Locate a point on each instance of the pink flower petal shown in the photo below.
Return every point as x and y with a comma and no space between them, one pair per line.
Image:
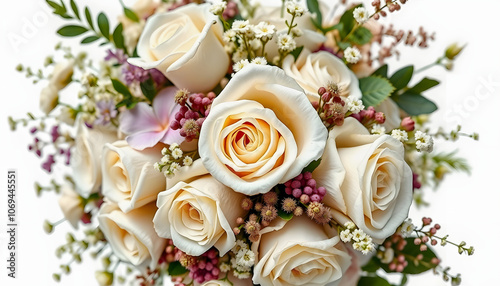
164,105
139,119
172,136
143,140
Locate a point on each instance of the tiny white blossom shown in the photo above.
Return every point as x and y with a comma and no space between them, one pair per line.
358,235
224,267
424,142
173,146
164,151
400,135
350,225
174,167
352,55
187,161
239,54
354,105
241,275
240,65
264,31
241,26
286,43
240,244
259,61
245,257
297,32
177,153
378,129
157,167
367,248
345,236
218,8
295,8
165,159
361,15
229,36
407,228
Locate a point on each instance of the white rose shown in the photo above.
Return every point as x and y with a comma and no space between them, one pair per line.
128,175
315,70
198,213
366,178
310,39
49,98
131,235
186,46
299,252
71,205
61,75
217,283
261,131
85,158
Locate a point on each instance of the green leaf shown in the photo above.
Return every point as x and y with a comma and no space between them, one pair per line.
175,268
414,104
361,36
72,31
89,18
402,77
297,52
74,7
373,281
404,280
338,26
121,88
130,14
148,89
118,37
371,266
343,45
348,22
375,89
313,7
58,9
103,23
381,71
424,85
90,39
312,166
284,215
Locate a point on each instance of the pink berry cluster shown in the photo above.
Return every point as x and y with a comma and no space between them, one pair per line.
369,117
392,6
303,187
201,268
194,109
331,106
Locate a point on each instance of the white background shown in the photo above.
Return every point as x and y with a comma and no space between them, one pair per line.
465,206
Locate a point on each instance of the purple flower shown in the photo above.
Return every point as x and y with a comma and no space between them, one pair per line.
133,73
119,56
106,110
147,125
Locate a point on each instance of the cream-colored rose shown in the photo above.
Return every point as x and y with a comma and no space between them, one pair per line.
310,38
49,98
367,179
86,156
392,113
315,70
186,46
131,235
261,131
299,252
71,205
129,178
198,213
61,75
217,283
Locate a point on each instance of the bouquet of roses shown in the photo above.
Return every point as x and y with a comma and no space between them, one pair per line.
234,143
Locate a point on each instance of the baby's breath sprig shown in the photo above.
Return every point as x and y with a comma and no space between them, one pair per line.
350,233
455,134
173,159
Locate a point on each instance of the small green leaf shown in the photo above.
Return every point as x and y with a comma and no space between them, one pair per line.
373,281
284,215
313,7
375,89
414,104
74,7
338,27
348,22
371,266
402,77
89,18
121,88
175,268
58,9
72,31
361,36
103,23
295,53
312,166
424,85
118,37
90,39
343,45
148,89
130,14
381,71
